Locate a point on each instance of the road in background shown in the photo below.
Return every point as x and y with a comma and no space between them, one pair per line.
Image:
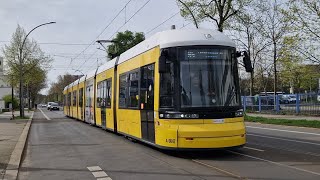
63,148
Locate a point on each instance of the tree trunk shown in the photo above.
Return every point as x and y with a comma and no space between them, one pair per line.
275,71
251,83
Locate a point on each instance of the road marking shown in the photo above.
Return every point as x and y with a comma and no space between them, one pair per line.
105,178
276,163
271,129
246,147
94,168
218,169
287,149
99,174
304,142
44,114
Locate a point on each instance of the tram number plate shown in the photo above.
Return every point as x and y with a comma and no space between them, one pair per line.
218,121
171,141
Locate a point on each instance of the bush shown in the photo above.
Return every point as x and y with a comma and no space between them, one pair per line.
8,99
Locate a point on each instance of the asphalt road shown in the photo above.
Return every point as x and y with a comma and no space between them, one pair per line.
63,148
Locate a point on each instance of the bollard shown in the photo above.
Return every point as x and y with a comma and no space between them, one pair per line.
297,104
244,104
277,104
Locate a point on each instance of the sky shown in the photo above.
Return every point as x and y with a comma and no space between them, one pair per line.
80,23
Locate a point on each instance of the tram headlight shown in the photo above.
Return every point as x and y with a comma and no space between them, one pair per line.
178,116
239,113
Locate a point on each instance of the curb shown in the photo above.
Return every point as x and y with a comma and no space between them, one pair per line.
12,169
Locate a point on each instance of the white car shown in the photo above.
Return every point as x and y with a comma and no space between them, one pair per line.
49,105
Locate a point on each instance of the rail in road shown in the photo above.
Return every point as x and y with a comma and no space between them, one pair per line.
63,148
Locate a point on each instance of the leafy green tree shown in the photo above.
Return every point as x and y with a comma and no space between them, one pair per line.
8,99
290,63
33,58
124,41
56,89
216,11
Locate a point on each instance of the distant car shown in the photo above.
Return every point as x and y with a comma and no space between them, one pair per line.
49,105
288,99
54,106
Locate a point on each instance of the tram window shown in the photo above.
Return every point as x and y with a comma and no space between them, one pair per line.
108,93
134,89
74,98
123,91
147,87
89,96
81,97
99,88
69,99
167,87
102,94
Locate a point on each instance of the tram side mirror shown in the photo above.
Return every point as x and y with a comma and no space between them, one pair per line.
247,62
162,62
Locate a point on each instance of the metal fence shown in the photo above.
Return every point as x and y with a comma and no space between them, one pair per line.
308,104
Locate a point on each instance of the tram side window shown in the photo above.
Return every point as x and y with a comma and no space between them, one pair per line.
134,89
74,100
88,96
103,93
108,92
123,91
99,88
80,97
69,99
147,87
167,87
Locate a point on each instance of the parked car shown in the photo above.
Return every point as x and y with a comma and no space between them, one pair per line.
54,106
288,99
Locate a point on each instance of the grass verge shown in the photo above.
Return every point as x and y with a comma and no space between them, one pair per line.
286,122
18,117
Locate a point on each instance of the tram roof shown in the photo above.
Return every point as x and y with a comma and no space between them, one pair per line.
175,38
82,78
91,74
108,65
165,39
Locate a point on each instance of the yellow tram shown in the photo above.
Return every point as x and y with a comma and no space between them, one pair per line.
178,89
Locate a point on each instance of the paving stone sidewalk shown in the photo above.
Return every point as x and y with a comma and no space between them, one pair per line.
10,131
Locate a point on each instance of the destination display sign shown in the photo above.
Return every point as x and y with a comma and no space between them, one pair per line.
209,54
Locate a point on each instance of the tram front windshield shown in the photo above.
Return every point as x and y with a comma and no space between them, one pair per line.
208,78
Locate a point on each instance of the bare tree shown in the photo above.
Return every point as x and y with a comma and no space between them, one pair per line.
246,30
273,28
305,18
217,11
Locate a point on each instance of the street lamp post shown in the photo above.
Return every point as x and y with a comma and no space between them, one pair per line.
21,99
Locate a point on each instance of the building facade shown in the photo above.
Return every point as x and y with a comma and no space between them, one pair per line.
5,87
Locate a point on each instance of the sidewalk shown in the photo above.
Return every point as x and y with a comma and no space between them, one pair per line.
290,117
10,135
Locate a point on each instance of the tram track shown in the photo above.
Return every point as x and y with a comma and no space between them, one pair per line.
230,174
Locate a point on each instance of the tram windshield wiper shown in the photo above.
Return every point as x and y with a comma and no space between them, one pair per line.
230,97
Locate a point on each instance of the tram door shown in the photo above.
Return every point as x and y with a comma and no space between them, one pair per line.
102,91
69,104
147,102
89,104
